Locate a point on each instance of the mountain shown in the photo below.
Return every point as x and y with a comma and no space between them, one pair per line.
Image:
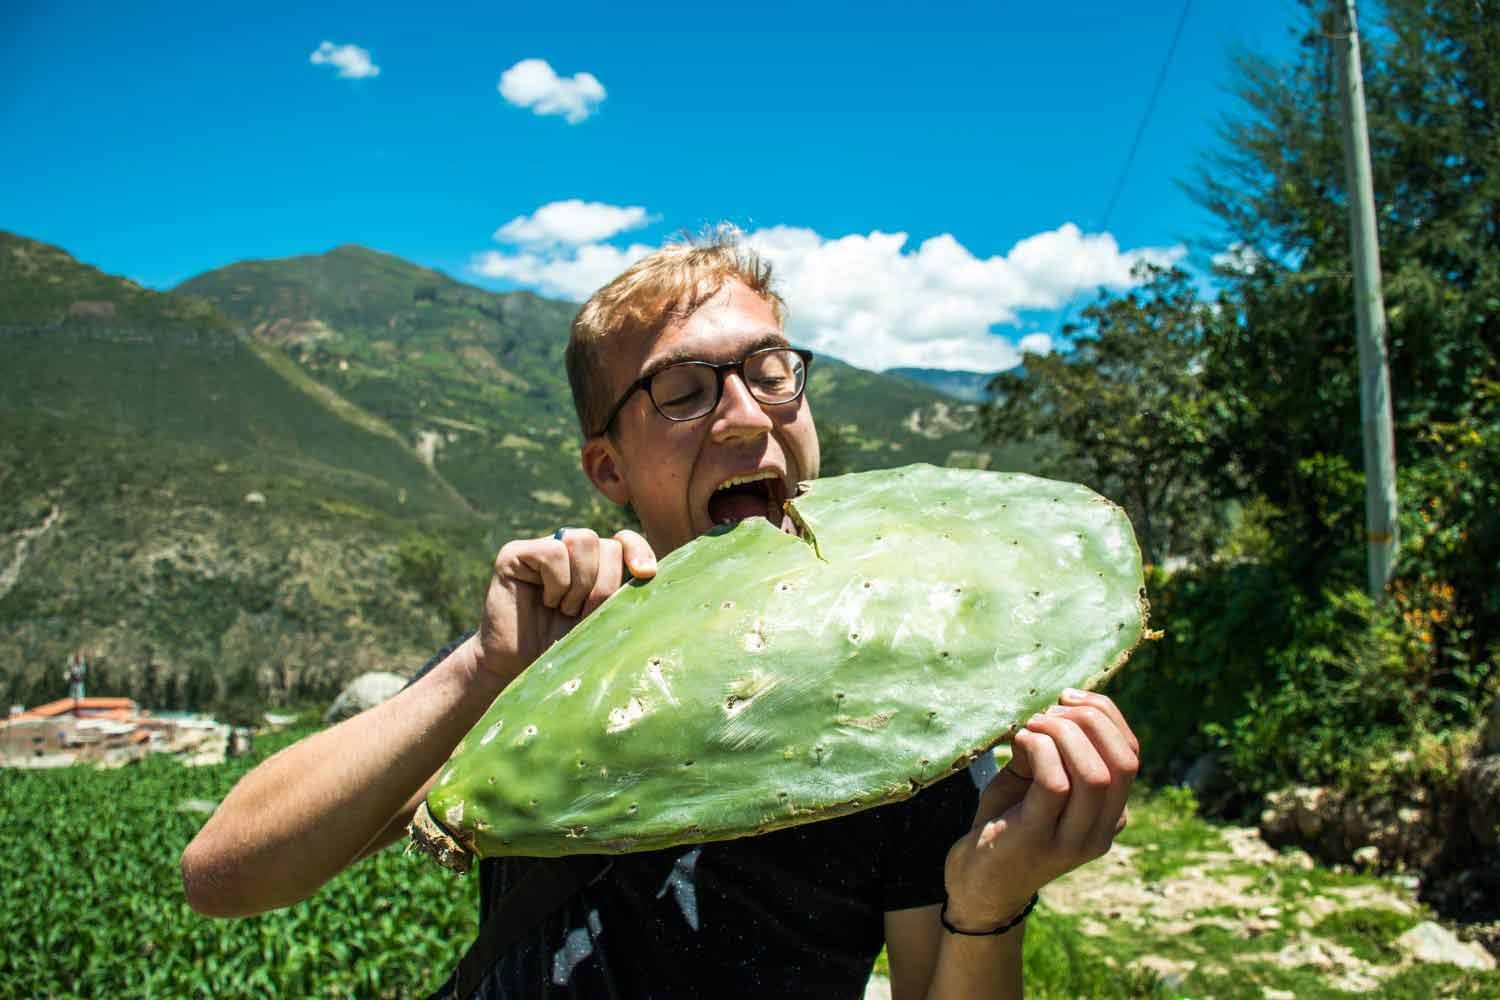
475,380
283,472
969,387
178,507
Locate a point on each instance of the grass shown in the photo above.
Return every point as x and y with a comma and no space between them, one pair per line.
1238,962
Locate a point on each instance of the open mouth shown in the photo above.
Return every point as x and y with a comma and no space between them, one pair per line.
758,494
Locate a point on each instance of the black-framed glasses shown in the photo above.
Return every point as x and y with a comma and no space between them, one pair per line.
691,389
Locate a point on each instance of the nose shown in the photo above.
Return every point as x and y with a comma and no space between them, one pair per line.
739,415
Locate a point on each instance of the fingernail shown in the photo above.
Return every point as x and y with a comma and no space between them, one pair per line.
1072,694
1056,710
1038,717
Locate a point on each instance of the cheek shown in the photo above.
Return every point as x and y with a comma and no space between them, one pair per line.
800,437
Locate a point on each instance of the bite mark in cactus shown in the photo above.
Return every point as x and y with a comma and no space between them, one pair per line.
764,679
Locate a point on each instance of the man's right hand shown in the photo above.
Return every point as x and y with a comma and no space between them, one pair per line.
541,587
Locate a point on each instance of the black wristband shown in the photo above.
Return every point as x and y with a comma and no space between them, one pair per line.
1008,925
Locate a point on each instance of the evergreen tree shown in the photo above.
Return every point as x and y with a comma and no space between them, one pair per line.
1126,410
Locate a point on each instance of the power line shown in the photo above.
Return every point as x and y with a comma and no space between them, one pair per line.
1135,143
1140,132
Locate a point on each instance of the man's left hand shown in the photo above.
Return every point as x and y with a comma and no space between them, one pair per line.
1057,804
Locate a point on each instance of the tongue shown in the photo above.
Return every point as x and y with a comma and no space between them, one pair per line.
732,506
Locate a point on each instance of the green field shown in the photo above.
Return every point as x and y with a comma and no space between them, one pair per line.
94,905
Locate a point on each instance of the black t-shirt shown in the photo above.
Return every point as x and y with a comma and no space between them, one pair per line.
793,913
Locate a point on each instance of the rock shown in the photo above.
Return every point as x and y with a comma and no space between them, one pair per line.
1480,787
1296,813
1430,942
276,721
1489,741
1200,777
1310,804
1272,993
1367,856
1299,859
255,497
1268,912
365,691
1170,971
1309,952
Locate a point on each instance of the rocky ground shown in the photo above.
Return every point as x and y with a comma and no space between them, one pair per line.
1212,911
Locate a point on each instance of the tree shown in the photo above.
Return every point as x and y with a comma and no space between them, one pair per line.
1281,354
1126,409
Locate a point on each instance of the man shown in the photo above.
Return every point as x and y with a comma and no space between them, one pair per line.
694,413
75,673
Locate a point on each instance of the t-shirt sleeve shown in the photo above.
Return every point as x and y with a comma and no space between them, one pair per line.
931,822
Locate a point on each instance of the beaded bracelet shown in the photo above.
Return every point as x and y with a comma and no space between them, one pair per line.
943,916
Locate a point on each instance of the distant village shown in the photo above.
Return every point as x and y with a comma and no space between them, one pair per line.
111,732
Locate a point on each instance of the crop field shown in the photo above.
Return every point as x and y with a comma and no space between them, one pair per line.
93,905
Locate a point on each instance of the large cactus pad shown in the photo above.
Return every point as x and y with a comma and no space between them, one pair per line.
763,680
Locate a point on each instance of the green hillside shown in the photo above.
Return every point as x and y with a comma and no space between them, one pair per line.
172,503
287,472
477,377
43,287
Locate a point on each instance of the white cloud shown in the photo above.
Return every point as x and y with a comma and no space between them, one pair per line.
531,83
572,222
352,61
1035,343
1239,258
571,274
869,299
873,301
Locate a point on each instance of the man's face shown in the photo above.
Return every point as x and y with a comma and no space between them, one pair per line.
671,472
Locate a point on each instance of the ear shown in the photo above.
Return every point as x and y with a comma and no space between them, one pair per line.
601,463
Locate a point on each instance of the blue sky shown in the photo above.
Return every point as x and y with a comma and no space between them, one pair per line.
162,141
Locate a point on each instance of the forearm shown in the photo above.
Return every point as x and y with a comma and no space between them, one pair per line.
978,968
306,813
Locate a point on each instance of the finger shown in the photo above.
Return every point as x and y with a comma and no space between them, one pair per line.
583,557
1105,704
1123,765
1088,777
639,558
1048,793
611,572
542,561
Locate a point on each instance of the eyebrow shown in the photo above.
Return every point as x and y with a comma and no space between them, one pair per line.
685,353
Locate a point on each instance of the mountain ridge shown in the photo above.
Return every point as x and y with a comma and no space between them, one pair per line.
285,471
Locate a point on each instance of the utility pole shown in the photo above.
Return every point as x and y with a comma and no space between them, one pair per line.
1381,529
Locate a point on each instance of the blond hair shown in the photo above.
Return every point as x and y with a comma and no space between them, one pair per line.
665,286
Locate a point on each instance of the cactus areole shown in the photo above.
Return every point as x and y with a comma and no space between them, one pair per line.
763,679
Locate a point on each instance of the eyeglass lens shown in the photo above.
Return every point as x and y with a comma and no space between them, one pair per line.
686,391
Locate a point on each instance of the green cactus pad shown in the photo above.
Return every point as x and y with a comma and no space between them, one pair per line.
763,680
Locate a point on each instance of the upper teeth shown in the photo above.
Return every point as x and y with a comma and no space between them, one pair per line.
753,477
